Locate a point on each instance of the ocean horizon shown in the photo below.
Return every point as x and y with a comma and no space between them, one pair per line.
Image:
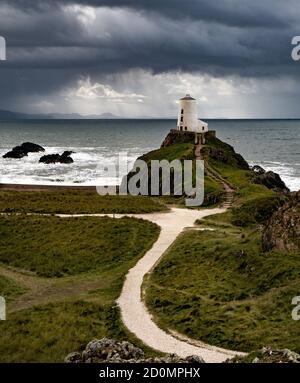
271,143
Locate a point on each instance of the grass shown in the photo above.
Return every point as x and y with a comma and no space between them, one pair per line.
170,153
79,252
253,204
9,289
221,288
54,247
75,202
184,151
50,332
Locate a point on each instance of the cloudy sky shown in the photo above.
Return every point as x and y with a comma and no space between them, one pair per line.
136,58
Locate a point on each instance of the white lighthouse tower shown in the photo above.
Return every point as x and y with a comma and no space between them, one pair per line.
188,116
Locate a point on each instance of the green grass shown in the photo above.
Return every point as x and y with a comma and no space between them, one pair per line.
221,288
9,289
77,250
170,153
75,202
50,332
53,247
253,204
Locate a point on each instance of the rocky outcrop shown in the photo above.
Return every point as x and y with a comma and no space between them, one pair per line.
112,351
258,169
268,355
282,231
23,150
181,137
58,158
269,179
219,151
177,137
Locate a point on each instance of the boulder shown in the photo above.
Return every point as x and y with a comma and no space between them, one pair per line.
112,351
258,169
30,147
23,150
268,355
57,158
16,153
271,180
282,231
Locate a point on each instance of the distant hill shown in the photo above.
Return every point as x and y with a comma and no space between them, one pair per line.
9,115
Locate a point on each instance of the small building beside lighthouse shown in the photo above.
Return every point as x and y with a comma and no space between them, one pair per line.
188,116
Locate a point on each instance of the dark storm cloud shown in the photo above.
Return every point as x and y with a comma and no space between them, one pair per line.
52,42
267,13
203,37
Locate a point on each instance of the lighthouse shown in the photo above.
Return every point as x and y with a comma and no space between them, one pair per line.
188,116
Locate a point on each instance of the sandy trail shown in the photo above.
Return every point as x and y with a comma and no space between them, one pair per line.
134,313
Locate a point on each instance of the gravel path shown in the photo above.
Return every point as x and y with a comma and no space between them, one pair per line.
133,310
134,313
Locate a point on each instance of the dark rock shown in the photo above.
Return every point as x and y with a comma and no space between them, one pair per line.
258,169
29,147
16,153
178,137
282,231
23,150
57,158
271,180
112,351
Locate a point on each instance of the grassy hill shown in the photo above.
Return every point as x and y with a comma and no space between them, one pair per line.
218,285
64,277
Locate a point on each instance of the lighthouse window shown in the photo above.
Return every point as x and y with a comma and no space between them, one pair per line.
181,111
181,119
185,128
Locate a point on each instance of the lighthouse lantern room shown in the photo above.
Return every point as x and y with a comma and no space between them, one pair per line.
188,116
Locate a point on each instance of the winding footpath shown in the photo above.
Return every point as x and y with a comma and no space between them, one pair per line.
134,313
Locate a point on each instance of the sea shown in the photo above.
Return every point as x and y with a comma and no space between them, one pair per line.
99,144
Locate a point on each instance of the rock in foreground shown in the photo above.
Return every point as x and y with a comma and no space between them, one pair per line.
112,351
269,179
268,355
57,158
23,150
283,229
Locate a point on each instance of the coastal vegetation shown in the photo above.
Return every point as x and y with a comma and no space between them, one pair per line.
9,289
73,270
219,285
54,247
48,333
76,202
